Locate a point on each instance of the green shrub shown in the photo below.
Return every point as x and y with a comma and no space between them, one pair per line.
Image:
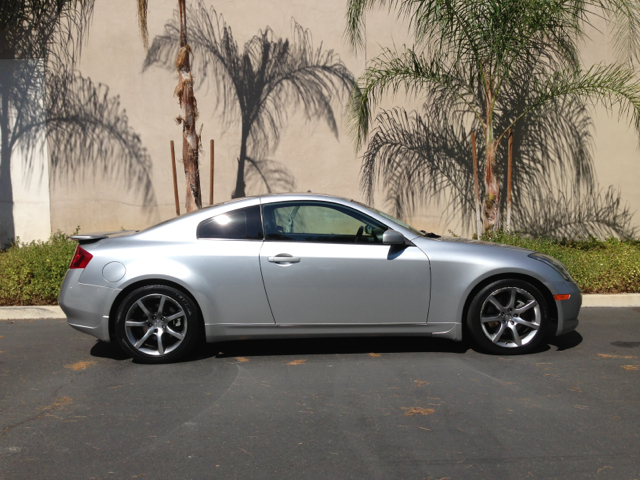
609,266
32,273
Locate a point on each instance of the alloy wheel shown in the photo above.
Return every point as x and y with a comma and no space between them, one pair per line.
510,317
155,324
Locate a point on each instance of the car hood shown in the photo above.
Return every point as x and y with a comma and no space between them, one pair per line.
479,242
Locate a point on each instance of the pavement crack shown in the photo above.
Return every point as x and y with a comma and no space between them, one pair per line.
58,402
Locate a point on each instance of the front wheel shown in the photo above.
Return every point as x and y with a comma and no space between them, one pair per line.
508,317
157,324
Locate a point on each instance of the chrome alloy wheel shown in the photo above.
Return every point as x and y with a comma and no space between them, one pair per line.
510,317
155,324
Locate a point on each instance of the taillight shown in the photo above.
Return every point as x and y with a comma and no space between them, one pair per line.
81,258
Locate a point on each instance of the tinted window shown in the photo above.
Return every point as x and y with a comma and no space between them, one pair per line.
244,224
319,222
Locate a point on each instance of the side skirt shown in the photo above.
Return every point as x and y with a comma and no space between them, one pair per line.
234,331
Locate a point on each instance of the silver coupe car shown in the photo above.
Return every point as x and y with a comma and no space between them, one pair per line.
307,265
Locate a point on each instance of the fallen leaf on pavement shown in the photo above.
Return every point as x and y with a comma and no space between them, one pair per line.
375,355
297,362
80,365
631,367
604,355
410,412
242,359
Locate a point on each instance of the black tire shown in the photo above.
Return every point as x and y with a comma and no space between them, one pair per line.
157,332
513,322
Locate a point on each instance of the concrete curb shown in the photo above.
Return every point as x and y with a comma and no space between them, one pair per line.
611,300
55,313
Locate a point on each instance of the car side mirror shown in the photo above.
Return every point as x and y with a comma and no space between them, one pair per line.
391,237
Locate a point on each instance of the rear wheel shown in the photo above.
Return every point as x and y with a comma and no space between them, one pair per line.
157,324
508,317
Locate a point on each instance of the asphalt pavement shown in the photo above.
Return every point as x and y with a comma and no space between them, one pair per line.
377,408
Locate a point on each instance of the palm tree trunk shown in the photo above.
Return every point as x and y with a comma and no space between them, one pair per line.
191,140
240,185
492,187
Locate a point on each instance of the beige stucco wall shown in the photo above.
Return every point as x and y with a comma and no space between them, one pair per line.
320,162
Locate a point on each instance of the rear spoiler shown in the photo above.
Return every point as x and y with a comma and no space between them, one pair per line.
96,237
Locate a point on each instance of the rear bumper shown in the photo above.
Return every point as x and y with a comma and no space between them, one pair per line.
568,310
86,306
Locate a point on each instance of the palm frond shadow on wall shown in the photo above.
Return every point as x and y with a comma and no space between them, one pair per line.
89,134
258,86
423,159
86,129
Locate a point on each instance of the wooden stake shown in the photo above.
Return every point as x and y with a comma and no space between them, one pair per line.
211,176
175,179
476,188
509,180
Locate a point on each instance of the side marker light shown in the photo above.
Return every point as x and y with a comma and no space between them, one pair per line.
561,297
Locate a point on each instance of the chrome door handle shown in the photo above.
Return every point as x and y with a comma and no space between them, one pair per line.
284,258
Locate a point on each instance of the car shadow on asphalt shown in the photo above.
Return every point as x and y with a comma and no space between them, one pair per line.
563,342
298,346
329,346
332,346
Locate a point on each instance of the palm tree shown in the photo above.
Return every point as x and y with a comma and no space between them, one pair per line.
468,52
184,92
258,85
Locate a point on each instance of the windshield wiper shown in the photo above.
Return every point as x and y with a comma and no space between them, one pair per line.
429,234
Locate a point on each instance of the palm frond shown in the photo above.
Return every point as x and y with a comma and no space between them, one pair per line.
420,158
623,17
609,85
390,72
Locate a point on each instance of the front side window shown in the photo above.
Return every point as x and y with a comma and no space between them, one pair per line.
243,224
319,222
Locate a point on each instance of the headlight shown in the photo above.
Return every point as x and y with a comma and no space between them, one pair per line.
552,262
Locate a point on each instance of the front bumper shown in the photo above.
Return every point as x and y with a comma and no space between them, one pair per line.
86,306
568,310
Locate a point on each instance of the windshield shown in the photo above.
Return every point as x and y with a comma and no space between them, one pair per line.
392,219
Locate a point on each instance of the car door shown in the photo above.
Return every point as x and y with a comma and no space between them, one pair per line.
324,263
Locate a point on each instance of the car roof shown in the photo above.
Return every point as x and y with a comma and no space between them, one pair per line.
301,195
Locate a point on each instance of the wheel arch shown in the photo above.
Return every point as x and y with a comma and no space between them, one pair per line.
551,304
143,283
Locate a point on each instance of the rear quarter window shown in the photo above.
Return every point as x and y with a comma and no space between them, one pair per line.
243,224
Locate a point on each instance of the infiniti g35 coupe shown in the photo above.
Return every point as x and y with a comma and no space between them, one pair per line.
307,265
